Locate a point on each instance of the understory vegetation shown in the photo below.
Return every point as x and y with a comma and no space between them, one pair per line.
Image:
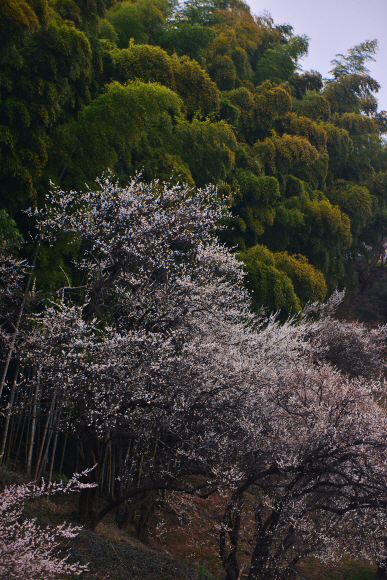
181,209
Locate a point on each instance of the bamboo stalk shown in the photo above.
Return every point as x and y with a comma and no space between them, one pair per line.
113,475
54,446
8,413
30,406
109,470
139,473
18,321
103,470
44,436
11,448
45,455
63,452
16,419
33,426
128,453
14,439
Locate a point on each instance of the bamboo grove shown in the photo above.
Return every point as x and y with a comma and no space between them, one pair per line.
211,94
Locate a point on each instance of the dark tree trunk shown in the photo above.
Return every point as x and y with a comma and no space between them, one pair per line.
232,522
382,570
124,515
260,568
382,565
146,513
126,511
89,458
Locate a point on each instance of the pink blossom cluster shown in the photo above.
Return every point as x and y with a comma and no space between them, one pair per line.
26,549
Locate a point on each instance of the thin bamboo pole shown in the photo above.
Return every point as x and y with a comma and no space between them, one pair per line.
8,413
103,470
48,443
109,470
54,445
10,449
44,436
33,425
112,493
30,407
15,440
18,321
63,452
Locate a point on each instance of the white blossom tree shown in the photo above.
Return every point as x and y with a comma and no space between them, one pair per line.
312,463
115,349
155,353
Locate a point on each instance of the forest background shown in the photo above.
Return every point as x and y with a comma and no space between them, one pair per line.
210,94
116,277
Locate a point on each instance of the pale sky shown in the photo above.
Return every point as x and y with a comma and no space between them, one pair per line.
334,26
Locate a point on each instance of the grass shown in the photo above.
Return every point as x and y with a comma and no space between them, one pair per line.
345,570
119,560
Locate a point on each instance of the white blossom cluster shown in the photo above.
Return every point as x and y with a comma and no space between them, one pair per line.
28,550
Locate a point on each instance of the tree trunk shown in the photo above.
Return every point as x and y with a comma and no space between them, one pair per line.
53,452
38,468
90,457
260,561
146,512
232,522
18,321
33,425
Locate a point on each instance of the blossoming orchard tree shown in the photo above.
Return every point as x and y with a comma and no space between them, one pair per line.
152,359
312,468
129,349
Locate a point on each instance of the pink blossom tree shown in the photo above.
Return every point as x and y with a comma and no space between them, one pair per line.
28,550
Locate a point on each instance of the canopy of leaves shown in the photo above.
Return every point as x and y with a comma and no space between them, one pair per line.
281,281
205,91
